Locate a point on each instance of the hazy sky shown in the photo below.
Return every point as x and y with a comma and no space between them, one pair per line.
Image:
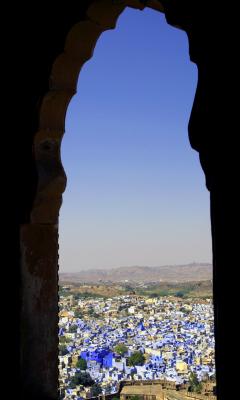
136,193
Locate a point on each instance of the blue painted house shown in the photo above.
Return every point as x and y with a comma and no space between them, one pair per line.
108,360
97,355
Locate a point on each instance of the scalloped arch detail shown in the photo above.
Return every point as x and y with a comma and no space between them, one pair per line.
79,46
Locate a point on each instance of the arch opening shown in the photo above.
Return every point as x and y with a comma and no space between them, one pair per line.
38,283
81,154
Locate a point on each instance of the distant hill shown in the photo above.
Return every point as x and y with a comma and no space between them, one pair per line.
166,273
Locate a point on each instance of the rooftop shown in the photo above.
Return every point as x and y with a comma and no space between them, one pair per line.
142,389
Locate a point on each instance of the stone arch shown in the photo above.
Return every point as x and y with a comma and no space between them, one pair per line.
39,30
39,238
37,285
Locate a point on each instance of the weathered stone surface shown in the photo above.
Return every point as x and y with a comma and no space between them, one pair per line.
105,12
39,311
53,109
155,5
51,178
46,208
139,5
62,80
82,39
45,135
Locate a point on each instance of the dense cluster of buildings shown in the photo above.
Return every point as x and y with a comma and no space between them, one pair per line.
175,336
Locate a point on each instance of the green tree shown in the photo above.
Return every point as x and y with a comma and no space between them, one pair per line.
81,364
137,358
92,313
120,349
96,390
180,294
64,340
185,310
194,384
152,295
135,397
81,378
73,328
63,292
78,314
62,350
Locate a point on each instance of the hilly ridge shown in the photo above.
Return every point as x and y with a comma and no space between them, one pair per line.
145,274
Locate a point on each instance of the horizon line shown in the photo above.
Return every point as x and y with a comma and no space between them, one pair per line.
80,269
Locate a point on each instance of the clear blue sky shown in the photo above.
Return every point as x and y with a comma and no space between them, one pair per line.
136,193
